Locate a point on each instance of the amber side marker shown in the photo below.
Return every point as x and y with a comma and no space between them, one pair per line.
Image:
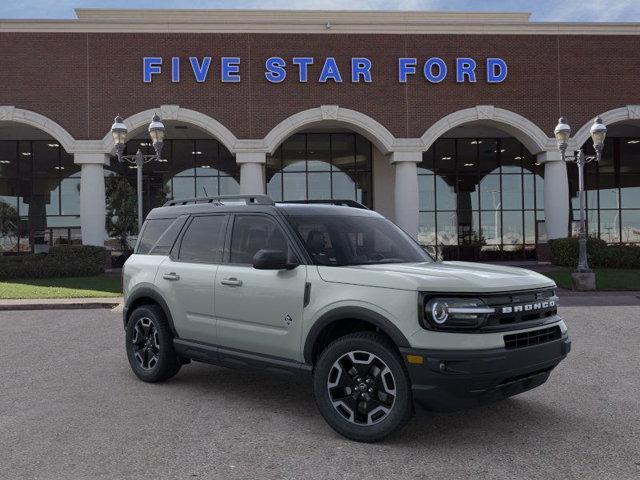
415,359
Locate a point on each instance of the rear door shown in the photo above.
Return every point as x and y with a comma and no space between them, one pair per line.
186,278
259,311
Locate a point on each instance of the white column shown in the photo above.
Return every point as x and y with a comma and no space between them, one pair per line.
251,172
406,190
92,197
556,194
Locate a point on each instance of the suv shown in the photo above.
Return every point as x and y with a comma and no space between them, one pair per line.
340,295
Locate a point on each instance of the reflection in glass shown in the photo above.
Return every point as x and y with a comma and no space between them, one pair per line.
321,166
486,199
612,191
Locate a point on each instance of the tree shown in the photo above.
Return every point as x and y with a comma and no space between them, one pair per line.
122,212
9,223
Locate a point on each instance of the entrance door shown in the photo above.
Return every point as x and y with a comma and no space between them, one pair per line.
259,310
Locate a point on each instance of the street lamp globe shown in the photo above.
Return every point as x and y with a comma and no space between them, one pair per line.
119,131
156,129
562,133
156,132
598,133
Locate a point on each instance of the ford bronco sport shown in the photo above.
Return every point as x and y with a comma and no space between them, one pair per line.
338,294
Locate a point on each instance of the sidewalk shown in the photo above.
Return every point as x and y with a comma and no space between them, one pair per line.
60,303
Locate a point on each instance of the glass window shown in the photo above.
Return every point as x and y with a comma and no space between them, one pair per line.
320,186
318,152
340,240
293,153
467,155
203,242
445,193
321,166
167,239
8,159
343,151
184,156
629,155
512,191
252,233
630,226
610,226
152,231
427,193
342,185
427,228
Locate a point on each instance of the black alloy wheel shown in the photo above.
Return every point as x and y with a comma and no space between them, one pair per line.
149,345
362,388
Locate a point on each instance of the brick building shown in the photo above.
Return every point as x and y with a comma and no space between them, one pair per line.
443,122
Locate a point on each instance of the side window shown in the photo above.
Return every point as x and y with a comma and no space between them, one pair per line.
168,238
203,242
153,229
252,233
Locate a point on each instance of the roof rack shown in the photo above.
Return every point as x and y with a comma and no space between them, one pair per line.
338,202
219,200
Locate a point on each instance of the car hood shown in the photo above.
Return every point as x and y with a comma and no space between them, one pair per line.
454,277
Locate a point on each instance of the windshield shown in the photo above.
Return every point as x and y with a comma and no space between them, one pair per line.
340,240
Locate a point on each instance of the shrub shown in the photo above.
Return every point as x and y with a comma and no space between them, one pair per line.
564,252
61,261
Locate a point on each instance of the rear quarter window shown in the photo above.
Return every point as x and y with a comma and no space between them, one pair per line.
159,235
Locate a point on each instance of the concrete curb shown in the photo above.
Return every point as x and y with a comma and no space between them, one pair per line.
60,304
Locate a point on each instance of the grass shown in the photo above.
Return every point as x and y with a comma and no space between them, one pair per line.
606,278
72,287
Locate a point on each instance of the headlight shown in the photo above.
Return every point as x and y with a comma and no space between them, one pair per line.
456,312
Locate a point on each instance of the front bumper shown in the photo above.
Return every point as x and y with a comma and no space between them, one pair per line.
455,379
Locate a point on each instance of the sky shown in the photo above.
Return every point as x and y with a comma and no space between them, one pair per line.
542,10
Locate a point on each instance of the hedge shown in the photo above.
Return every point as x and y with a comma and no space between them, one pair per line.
564,252
61,261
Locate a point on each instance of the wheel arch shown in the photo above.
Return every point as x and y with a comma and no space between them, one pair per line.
147,296
349,316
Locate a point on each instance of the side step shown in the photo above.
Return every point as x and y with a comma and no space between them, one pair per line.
238,359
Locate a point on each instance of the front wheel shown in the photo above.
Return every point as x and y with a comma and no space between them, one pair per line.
362,388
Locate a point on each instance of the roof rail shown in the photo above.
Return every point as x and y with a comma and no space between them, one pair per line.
335,201
219,200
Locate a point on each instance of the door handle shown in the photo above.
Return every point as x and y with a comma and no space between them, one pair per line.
232,282
173,276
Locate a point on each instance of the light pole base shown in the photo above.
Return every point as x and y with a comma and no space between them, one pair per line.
583,281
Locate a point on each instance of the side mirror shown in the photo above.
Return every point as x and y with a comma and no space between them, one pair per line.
272,260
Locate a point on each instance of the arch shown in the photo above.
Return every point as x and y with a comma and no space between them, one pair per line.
177,113
528,133
617,115
382,138
10,113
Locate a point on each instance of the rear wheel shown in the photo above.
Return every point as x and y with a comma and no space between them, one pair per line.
362,388
149,345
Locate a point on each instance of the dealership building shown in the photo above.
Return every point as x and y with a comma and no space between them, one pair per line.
442,122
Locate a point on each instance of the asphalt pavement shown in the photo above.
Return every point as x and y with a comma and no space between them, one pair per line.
70,408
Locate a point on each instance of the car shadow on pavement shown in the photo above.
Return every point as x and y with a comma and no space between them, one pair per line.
294,398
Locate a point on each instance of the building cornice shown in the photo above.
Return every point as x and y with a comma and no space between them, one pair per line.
312,22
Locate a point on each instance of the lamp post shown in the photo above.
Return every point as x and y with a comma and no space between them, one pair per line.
562,133
156,132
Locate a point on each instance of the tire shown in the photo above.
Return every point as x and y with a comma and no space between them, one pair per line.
368,414
149,345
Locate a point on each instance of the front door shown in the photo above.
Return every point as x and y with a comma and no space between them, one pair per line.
187,278
259,310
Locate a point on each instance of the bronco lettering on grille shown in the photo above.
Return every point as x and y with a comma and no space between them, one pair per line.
529,307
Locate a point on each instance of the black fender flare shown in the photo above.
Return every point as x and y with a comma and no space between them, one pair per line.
355,313
148,292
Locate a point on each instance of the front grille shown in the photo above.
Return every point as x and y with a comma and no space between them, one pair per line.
518,307
534,337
